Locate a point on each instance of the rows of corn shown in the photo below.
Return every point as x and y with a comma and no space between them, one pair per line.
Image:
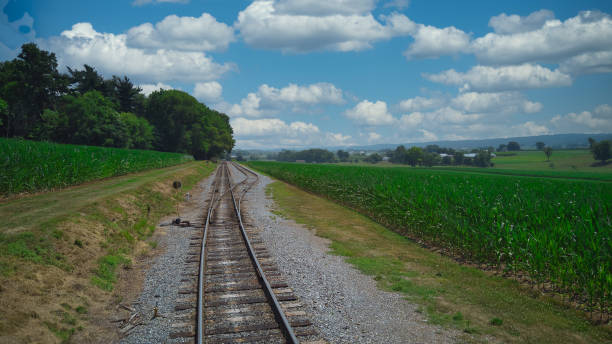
558,232
27,166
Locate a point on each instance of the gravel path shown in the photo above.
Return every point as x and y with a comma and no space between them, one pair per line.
344,305
163,279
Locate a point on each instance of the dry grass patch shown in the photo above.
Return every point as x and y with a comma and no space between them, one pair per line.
62,279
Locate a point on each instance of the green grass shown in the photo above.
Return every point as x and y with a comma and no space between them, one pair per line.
562,160
571,164
449,293
45,210
61,332
105,276
29,166
29,246
29,230
556,231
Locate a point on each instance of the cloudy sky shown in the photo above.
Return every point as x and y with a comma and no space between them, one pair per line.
312,73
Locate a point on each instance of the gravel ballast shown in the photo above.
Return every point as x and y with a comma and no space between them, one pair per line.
163,279
345,305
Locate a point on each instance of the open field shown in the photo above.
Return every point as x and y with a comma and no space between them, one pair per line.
572,164
61,253
567,164
561,160
486,307
29,166
555,231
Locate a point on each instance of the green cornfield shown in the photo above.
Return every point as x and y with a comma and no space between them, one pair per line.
557,232
28,166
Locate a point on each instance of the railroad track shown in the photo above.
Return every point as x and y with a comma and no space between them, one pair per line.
233,291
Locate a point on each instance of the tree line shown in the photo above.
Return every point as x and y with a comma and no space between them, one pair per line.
434,155
309,155
37,102
601,150
431,155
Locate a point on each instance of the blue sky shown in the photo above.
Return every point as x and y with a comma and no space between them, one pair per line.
316,73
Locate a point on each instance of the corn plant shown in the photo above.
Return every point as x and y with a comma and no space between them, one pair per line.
27,166
557,231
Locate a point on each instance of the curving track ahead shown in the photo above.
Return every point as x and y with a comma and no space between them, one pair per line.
241,295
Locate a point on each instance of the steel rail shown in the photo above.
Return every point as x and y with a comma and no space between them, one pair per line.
276,307
250,185
201,276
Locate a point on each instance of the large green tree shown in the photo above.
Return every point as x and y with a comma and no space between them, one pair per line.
513,146
3,110
414,156
185,125
29,84
601,150
140,132
126,94
93,120
88,79
342,155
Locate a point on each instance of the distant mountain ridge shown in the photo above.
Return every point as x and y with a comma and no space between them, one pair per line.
557,141
567,141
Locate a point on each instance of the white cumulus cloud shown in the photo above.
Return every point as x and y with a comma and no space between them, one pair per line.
411,120
509,24
274,133
420,103
147,89
491,79
597,121
529,128
204,33
249,106
370,113
208,92
588,63
303,26
554,41
324,7
111,55
500,102
373,137
318,93
269,100
431,42
244,127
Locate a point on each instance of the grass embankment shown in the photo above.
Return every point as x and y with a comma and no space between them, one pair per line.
29,166
61,252
476,302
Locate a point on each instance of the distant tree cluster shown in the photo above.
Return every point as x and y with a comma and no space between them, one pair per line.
309,155
434,155
373,158
343,156
38,102
512,146
601,150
